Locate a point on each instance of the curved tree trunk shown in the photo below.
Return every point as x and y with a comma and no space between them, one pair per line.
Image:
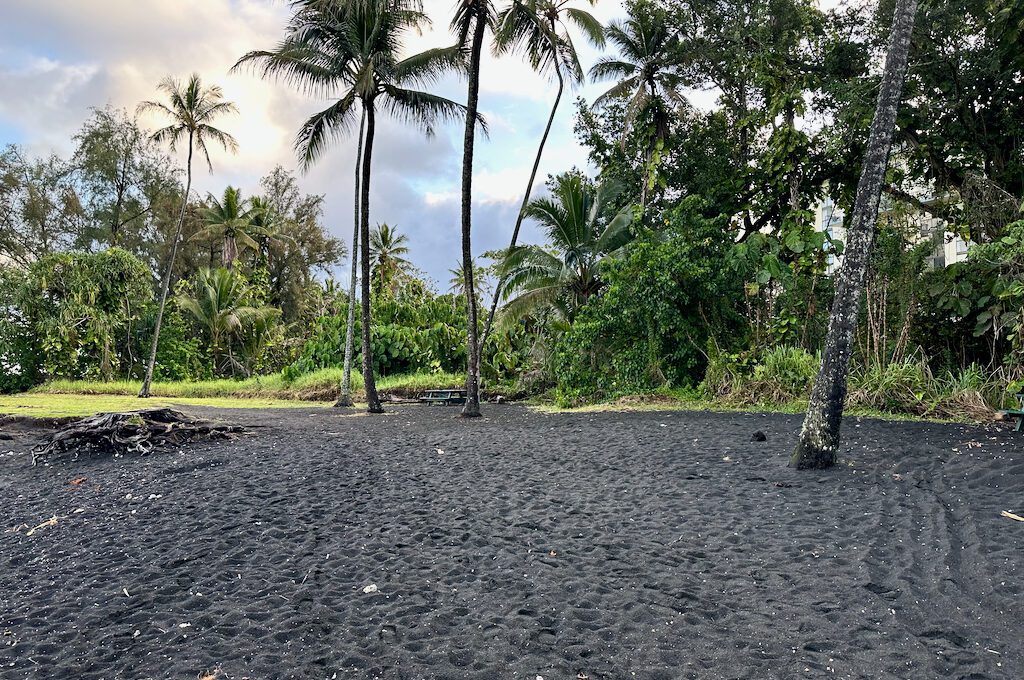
526,201
819,437
345,398
369,385
472,406
144,392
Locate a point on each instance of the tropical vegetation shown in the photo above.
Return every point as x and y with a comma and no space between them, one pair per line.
698,254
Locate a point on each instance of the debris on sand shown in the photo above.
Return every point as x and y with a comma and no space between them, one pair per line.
759,436
1010,515
372,588
131,432
52,522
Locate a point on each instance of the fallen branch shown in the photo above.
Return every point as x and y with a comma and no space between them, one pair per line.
122,433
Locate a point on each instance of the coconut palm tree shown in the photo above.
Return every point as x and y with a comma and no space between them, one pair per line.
345,398
387,257
819,436
191,111
540,29
562,277
349,51
471,21
648,77
220,307
457,282
229,219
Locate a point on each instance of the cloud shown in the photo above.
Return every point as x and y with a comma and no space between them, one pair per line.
61,57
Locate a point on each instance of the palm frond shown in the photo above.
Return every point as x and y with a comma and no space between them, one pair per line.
422,108
588,25
336,120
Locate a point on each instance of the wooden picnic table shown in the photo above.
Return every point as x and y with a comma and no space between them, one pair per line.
444,397
1017,413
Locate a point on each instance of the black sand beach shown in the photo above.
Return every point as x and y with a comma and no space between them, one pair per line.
653,546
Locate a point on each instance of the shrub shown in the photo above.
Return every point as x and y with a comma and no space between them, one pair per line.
19,353
780,375
78,305
661,301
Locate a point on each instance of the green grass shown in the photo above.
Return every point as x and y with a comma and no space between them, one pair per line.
321,385
64,398
691,400
42,405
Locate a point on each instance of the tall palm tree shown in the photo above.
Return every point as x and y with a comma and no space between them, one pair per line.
229,219
648,77
350,51
472,19
819,436
564,276
191,112
540,29
345,398
387,257
220,307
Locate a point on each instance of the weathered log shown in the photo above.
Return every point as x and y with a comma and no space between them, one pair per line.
118,434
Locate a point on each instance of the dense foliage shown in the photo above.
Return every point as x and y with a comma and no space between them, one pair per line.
698,256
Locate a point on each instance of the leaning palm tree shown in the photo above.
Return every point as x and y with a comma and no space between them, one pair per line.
562,277
349,51
540,29
192,110
472,19
230,220
387,257
648,78
819,436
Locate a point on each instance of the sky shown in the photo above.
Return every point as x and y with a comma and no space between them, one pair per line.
58,58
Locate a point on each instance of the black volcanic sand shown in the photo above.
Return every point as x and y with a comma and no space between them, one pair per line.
608,545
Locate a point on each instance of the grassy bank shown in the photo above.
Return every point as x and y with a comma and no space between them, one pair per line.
321,385
693,400
43,405
64,398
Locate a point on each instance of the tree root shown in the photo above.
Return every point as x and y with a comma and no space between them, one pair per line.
121,433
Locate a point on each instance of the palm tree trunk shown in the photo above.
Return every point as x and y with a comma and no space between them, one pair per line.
369,385
144,392
345,398
472,406
526,201
819,437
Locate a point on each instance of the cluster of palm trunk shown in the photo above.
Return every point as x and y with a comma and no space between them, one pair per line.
349,49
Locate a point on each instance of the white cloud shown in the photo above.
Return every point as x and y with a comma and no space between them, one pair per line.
63,56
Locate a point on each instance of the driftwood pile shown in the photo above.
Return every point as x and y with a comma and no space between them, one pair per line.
122,433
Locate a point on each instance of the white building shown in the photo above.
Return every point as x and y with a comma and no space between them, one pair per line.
949,247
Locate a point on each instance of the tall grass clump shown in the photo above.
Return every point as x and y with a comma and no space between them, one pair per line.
909,386
780,375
